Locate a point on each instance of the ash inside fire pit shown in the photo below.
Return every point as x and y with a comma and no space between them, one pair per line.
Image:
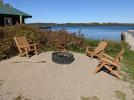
62,57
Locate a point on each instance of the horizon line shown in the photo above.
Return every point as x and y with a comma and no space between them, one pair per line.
84,22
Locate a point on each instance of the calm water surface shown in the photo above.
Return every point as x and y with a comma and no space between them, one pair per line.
97,32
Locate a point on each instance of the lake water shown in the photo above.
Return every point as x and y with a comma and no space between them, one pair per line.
97,32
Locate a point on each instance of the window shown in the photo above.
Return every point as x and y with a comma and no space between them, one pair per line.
8,21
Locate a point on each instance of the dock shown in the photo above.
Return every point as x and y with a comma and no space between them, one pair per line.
45,28
129,38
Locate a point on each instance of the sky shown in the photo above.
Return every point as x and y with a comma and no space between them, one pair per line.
76,11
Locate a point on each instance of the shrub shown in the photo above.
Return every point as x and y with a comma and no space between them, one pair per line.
55,39
7,34
49,40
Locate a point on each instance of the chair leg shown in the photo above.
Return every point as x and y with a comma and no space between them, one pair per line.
112,71
92,56
35,50
22,54
99,67
86,50
26,52
89,53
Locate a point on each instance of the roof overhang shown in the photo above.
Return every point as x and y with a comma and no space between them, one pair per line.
7,15
10,11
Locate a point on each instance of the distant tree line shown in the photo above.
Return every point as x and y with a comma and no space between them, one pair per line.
82,24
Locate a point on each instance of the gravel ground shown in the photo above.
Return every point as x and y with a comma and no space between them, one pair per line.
51,81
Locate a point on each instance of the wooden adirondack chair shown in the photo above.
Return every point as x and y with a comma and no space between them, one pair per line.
96,51
111,64
23,46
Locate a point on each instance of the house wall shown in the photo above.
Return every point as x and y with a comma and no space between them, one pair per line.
1,21
15,19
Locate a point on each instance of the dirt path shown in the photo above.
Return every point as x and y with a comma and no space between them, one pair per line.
50,81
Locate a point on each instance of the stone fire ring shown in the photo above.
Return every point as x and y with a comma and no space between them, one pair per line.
62,57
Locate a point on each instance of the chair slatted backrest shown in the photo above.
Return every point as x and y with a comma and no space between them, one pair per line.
102,45
20,42
119,55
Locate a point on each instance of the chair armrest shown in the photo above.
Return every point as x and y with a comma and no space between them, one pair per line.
109,57
30,45
109,62
23,46
102,51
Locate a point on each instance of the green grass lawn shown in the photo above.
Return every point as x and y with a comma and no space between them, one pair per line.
128,62
113,49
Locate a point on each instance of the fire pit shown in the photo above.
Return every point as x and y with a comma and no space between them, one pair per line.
62,57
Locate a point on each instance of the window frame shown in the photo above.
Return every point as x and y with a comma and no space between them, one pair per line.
9,19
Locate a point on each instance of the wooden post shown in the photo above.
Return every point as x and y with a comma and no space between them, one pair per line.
20,19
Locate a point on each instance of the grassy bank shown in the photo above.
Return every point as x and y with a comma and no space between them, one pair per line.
113,49
128,63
